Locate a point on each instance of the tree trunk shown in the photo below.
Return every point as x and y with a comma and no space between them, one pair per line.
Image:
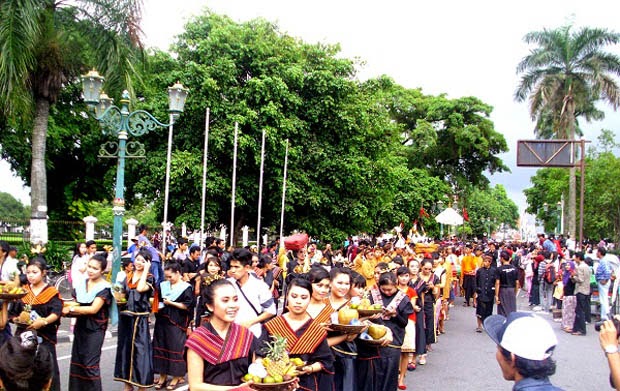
38,175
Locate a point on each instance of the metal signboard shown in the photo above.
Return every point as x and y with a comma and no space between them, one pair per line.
545,153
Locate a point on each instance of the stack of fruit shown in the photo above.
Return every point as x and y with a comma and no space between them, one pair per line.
10,290
366,308
276,367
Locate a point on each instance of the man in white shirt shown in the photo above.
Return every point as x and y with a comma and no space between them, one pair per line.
256,304
8,265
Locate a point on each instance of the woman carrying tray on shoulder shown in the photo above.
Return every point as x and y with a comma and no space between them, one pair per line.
45,308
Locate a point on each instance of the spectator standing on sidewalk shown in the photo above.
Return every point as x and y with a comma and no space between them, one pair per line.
581,277
546,287
524,356
603,281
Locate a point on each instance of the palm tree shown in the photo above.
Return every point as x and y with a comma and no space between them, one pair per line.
563,77
45,44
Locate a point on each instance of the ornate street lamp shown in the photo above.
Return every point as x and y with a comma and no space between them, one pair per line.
121,122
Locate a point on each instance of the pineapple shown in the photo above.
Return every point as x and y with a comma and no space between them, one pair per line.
277,361
24,316
365,302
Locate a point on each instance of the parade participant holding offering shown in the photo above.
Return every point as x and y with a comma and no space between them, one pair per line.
219,352
94,298
134,354
171,322
40,310
302,337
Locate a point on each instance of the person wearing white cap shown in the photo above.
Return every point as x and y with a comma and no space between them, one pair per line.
525,343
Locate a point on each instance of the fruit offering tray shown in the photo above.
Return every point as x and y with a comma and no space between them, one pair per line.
283,386
348,329
12,296
369,312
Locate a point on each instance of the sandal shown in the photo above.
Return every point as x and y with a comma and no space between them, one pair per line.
174,383
411,367
159,386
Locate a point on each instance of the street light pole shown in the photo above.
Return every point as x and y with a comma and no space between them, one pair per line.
122,122
559,222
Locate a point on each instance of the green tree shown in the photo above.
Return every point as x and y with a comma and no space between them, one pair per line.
451,138
11,208
562,78
47,44
489,208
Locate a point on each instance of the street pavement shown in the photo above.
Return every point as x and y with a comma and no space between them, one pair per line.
463,360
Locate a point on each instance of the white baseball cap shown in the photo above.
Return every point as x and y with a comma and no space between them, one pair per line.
523,334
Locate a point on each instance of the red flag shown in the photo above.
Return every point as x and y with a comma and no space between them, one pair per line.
465,215
423,213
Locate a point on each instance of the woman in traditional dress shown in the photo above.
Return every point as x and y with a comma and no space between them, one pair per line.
94,297
134,354
441,273
220,351
408,346
395,317
429,296
419,285
171,322
318,307
209,271
305,338
343,346
45,311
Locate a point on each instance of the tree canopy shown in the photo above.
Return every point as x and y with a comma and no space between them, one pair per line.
363,155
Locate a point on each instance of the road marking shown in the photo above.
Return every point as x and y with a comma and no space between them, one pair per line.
69,356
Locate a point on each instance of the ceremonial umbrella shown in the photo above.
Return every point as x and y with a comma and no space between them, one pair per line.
449,216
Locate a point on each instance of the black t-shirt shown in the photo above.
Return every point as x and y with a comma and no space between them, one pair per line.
190,266
507,276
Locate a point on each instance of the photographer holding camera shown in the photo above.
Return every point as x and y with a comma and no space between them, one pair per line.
608,337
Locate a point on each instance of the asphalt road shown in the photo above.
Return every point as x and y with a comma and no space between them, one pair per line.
463,360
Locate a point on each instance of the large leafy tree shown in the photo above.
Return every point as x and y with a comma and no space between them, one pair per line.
453,139
602,202
562,77
45,45
488,209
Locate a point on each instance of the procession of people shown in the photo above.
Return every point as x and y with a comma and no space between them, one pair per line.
210,313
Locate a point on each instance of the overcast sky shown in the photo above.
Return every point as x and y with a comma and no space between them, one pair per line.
461,48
